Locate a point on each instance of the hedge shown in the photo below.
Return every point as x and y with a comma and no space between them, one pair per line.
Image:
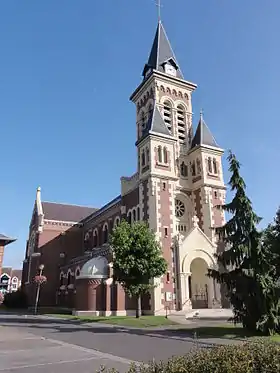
248,357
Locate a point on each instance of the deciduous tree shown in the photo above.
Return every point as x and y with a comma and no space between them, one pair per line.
137,259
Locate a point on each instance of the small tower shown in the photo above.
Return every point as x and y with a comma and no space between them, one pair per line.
205,157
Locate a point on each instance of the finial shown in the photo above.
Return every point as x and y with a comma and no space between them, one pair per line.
39,189
195,221
158,5
201,114
38,194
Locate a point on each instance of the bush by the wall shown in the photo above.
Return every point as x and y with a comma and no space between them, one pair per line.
249,357
16,300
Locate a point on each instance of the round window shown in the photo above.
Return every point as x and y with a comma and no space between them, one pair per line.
179,208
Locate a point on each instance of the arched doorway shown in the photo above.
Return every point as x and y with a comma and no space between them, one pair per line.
198,284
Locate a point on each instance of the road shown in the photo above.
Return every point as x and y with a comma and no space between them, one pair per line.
44,345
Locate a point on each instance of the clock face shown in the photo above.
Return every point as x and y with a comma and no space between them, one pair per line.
169,69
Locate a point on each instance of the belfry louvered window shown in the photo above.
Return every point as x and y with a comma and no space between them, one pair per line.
167,115
181,123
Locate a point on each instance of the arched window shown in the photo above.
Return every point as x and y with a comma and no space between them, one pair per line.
181,122
69,278
167,115
95,238
129,217
198,166
117,221
165,155
138,213
147,155
215,167
143,161
134,215
143,122
193,169
105,233
210,165
159,150
61,279
77,273
184,169
150,110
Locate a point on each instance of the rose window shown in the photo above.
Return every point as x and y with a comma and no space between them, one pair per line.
179,208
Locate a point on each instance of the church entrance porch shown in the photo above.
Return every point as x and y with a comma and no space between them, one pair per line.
198,284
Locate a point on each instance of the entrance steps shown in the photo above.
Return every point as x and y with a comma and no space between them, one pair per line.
204,314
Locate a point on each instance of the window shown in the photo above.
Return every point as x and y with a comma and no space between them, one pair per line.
210,165
147,155
69,278
77,274
181,123
105,233
215,194
143,160
215,168
179,208
164,186
134,215
150,110
138,213
159,150
184,169
95,238
143,122
129,218
61,279
193,169
198,166
165,155
117,221
168,277
166,232
167,115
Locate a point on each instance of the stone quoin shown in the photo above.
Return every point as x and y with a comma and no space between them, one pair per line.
178,183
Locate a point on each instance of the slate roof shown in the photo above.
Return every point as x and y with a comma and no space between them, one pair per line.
161,53
203,135
64,212
155,124
6,239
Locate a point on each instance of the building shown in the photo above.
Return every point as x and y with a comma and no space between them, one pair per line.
10,280
4,241
178,183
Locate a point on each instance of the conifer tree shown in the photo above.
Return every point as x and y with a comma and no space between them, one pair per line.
245,260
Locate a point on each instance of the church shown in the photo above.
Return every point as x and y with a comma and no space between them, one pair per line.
177,184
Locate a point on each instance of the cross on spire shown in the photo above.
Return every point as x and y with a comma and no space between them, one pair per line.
159,6
201,113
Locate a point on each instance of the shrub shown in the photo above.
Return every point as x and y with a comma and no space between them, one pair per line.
249,357
16,299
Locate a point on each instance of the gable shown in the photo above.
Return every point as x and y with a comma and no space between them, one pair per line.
196,239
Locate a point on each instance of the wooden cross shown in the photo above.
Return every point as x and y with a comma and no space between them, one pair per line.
159,6
195,221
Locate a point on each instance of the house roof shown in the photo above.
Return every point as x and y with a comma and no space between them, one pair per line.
12,272
64,212
203,135
161,53
5,240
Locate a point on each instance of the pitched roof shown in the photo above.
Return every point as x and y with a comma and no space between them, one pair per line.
161,53
12,272
64,212
203,135
6,240
155,124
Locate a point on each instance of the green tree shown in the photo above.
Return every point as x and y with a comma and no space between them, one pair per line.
137,259
245,262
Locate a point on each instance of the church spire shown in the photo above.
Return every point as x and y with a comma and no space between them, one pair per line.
162,57
203,135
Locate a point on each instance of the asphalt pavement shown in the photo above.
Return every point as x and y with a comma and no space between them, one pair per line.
45,345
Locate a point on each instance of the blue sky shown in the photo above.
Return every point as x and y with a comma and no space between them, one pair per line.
68,67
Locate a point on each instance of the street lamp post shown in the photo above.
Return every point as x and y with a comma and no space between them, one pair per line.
41,268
